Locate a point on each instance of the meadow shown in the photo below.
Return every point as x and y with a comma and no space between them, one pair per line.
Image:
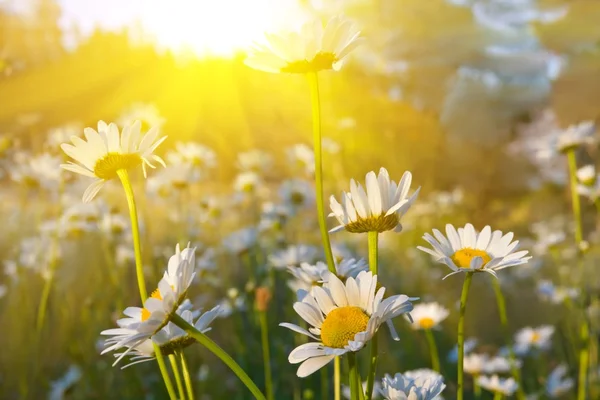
277,186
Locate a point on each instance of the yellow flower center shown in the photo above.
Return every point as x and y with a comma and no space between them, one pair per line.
535,337
462,258
341,325
426,323
145,314
156,294
107,167
381,223
320,62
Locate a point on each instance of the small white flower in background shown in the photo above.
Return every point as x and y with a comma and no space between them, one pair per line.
466,250
171,180
297,193
342,318
378,209
293,255
106,151
203,373
556,294
308,275
247,182
474,363
495,384
428,315
194,154
469,345
402,387
556,384
144,112
302,157
587,175
423,373
575,136
346,391
114,224
40,171
61,134
528,339
59,387
254,160
3,290
240,241
313,48
499,365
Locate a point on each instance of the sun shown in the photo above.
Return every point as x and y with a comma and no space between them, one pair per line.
215,27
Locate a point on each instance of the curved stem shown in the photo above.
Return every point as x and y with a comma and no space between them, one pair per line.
264,333
435,358
461,334
353,377
186,375
139,269
135,232
313,81
336,378
373,239
177,374
504,322
219,352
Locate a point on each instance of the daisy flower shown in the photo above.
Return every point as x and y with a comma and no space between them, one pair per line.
241,241
466,250
424,373
377,209
474,364
402,387
254,160
247,182
575,135
314,48
428,315
343,318
499,365
297,193
495,384
587,175
528,339
308,275
556,384
106,151
192,153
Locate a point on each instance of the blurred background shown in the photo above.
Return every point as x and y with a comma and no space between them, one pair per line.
463,93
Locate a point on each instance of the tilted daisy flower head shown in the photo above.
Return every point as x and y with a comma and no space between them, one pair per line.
377,209
428,315
529,338
493,383
402,387
465,250
575,136
314,48
106,151
343,319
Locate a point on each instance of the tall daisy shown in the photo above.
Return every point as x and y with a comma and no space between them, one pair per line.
107,151
465,250
313,48
379,208
343,318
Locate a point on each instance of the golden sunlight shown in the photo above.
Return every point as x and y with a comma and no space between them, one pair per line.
215,27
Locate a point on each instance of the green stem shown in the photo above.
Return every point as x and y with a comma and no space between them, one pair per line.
219,352
584,357
336,379
264,333
461,335
353,377
139,269
498,396
313,81
435,358
575,197
324,383
505,328
373,238
476,388
186,376
177,374
135,232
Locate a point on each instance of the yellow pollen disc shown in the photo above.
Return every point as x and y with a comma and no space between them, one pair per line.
426,323
156,294
322,61
341,325
107,167
535,337
145,314
462,258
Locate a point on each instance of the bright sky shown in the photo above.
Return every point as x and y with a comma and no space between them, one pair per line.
204,26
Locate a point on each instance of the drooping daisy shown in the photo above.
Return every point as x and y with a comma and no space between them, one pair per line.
343,318
556,384
529,338
575,135
312,49
466,250
493,383
107,151
428,315
401,387
378,209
